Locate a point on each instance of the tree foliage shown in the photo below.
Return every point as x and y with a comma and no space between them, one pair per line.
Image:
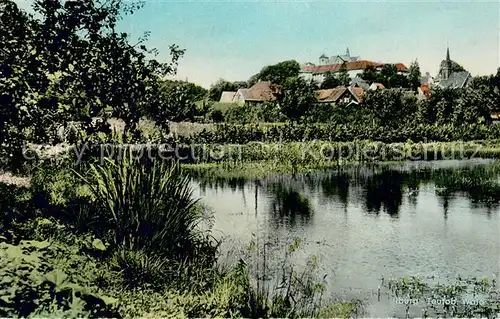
388,76
277,73
415,75
343,77
330,81
390,108
180,101
71,63
297,98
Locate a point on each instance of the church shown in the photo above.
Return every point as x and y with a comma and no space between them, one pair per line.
451,75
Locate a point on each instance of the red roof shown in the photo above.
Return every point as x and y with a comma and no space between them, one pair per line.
354,65
333,95
401,67
330,95
261,91
425,90
358,92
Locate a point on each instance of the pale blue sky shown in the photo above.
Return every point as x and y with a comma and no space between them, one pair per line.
235,39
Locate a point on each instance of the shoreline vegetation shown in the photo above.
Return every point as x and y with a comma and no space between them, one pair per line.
72,215
258,159
86,237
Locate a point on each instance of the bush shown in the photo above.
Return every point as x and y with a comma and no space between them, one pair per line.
242,134
147,205
217,116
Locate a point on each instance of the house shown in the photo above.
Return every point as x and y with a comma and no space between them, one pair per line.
456,80
359,82
448,77
241,96
427,79
376,86
227,97
424,91
317,73
341,95
261,91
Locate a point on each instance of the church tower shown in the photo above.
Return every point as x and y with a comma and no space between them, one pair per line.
447,65
347,52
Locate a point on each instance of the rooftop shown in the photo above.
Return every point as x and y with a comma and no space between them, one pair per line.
354,65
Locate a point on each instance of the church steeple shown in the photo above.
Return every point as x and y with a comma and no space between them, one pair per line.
447,65
347,52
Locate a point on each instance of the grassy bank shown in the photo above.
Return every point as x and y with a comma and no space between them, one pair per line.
128,239
262,159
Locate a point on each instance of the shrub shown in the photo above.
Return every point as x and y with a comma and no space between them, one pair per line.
147,205
217,116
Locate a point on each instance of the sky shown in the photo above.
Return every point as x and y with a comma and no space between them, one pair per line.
235,39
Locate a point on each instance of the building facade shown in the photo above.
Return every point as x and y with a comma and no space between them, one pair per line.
354,69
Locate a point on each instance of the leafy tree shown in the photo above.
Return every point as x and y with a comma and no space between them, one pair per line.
438,109
277,73
330,81
371,75
180,99
343,77
391,79
297,98
471,107
415,75
70,63
390,108
489,86
455,67
196,92
240,84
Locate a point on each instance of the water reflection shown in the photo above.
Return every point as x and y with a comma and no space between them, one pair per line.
384,191
336,186
379,189
288,206
413,219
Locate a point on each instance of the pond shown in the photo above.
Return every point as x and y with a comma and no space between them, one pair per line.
363,222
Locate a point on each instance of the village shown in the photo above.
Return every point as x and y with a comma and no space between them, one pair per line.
450,75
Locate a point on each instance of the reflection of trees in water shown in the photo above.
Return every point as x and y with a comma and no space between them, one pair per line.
382,187
288,205
445,197
384,190
217,183
336,185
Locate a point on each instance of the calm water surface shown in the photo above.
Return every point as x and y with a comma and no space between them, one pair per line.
365,222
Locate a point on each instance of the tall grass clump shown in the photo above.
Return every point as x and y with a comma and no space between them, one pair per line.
147,205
